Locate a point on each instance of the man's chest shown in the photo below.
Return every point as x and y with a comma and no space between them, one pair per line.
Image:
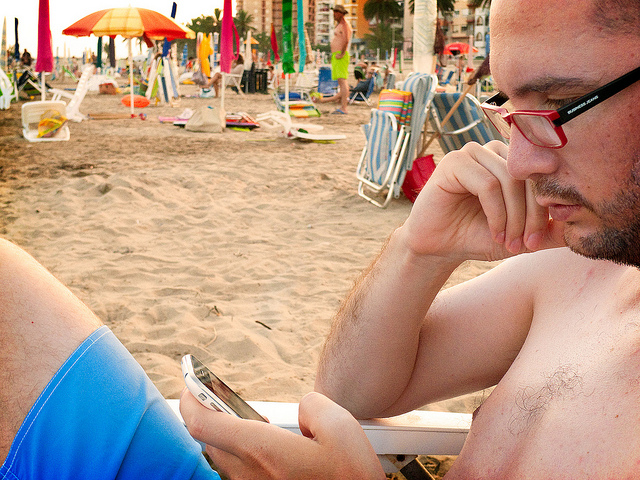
569,406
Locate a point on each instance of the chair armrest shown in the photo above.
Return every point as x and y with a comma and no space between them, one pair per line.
57,94
463,129
414,433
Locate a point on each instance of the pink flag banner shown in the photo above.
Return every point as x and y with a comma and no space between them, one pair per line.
226,38
44,62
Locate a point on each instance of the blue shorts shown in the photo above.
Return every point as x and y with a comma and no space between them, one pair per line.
100,417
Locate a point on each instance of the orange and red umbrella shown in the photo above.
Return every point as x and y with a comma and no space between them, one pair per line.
457,48
128,22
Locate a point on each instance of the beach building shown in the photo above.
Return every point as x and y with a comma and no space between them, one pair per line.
465,21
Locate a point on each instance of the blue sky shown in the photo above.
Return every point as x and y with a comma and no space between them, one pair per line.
66,12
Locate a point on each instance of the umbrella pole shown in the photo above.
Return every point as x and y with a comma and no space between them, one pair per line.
43,87
223,87
131,78
286,94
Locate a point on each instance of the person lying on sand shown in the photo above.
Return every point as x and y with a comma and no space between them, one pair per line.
554,326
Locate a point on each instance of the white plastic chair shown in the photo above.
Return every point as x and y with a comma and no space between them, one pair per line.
275,120
75,99
31,115
396,440
6,91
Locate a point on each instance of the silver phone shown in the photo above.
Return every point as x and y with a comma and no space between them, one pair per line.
212,392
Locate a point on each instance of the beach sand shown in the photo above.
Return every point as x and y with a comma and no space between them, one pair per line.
236,247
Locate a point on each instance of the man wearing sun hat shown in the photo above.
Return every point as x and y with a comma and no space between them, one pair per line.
340,59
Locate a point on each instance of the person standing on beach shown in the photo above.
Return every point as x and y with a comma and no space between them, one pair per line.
340,59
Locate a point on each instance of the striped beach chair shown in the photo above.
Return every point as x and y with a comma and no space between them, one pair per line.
467,124
378,167
386,141
383,165
423,88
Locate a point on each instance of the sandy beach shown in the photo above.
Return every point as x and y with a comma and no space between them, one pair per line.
236,247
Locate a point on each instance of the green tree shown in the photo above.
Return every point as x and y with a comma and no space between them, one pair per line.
379,37
479,3
264,43
204,23
243,21
383,11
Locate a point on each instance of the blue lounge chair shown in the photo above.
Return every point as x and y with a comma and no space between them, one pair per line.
357,95
326,86
467,124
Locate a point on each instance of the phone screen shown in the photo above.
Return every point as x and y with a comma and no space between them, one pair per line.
223,392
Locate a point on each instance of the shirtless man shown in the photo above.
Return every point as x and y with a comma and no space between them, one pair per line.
556,330
340,59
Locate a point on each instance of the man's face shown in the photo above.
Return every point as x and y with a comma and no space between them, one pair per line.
337,16
542,56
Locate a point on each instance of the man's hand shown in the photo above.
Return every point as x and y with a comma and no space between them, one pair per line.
334,445
471,208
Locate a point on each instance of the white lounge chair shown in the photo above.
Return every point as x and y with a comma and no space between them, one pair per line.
7,91
396,440
31,115
306,82
276,120
75,99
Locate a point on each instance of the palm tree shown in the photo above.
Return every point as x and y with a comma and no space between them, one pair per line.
204,23
384,11
243,21
479,3
379,37
443,5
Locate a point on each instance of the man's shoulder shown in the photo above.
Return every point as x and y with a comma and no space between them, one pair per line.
549,266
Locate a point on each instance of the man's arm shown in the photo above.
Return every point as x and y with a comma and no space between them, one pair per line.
391,347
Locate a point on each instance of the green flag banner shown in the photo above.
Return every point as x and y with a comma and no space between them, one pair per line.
287,43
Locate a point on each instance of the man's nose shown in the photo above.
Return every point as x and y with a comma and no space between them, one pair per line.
526,160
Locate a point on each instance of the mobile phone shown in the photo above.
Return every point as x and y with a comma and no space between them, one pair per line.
212,392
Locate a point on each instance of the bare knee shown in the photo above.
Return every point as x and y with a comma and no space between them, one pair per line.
41,324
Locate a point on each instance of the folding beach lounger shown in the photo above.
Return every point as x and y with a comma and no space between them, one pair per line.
300,104
362,96
467,124
387,155
397,440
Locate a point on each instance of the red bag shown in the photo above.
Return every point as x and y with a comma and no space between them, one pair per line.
417,177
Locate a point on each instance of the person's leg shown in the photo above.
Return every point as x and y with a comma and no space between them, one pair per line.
41,324
216,80
331,99
343,85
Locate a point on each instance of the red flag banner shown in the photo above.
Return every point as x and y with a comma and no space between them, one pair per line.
274,44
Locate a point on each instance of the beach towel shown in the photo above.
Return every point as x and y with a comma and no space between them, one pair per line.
398,102
50,122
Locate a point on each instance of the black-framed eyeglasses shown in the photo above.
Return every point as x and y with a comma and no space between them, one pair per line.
544,127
